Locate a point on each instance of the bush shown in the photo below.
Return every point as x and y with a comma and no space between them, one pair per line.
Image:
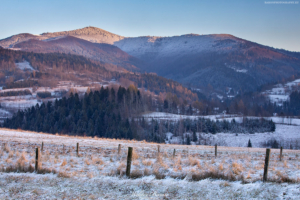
44,94
21,84
15,93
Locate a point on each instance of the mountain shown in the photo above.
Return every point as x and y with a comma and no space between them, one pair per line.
68,44
91,34
215,62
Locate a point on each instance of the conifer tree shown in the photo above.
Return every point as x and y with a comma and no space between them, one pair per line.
249,143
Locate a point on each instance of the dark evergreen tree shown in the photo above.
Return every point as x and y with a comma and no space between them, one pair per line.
249,143
188,140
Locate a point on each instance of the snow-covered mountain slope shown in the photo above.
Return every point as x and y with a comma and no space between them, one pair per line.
170,46
220,60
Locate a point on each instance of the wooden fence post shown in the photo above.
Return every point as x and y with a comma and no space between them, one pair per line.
158,149
63,148
77,149
42,146
280,153
37,159
265,177
174,153
216,150
119,149
129,157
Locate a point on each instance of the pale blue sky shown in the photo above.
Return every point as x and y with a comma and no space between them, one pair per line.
276,25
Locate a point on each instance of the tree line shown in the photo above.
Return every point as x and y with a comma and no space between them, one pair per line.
116,113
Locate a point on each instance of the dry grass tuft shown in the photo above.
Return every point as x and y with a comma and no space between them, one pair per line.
11,154
97,161
21,161
87,162
248,176
147,172
221,168
193,161
135,162
237,168
121,169
158,174
285,164
136,174
147,162
160,161
135,155
64,163
64,174
215,174
6,148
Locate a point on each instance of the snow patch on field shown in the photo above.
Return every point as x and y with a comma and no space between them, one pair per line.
220,117
282,133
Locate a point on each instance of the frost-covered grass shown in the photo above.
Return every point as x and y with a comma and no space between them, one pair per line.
31,186
99,165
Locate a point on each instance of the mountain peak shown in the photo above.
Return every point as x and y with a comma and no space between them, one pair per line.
89,30
89,33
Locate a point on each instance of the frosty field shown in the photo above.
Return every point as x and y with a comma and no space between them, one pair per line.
98,172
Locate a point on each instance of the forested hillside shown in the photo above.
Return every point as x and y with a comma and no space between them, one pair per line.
50,68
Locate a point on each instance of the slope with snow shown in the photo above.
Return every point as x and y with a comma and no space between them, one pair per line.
280,92
171,46
25,65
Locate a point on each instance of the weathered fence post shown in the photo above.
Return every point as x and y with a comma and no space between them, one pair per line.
77,149
37,159
265,177
63,148
158,149
216,150
174,153
280,153
129,157
42,146
119,149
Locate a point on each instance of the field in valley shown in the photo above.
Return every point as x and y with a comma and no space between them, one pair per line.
99,171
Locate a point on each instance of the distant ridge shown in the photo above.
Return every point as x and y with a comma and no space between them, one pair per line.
213,62
68,44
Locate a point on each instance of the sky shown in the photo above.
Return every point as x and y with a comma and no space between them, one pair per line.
266,22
